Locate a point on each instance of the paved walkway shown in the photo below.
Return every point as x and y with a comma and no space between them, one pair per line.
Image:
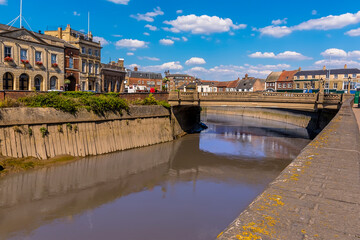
357,114
316,197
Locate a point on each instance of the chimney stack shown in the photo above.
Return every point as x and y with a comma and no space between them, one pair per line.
345,67
136,69
324,68
299,69
60,32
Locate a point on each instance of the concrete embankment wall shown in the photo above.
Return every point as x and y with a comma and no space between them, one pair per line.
311,120
317,196
45,133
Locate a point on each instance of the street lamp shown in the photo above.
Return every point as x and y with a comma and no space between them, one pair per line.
349,85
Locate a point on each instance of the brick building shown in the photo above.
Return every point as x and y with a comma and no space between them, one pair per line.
113,76
144,81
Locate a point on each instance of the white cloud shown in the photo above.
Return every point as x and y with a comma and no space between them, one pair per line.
184,39
133,44
337,63
165,66
195,61
202,24
102,40
353,32
3,2
146,34
279,21
231,72
287,55
149,58
313,12
130,54
339,53
179,11
117,35
149,16
75,12
167,42
123,2
325,23
151,27
275,31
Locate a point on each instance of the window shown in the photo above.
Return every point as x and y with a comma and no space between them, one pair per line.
306,76
38,83
53,83
90,67
82,86
296,77
284,85
8,81
305,85
346,75
83,50
7,52
279,85
83,69
335,85
297,86
23,54
336,76
289,85
313,76
37,56
97,53
24,82
71,62
53,58
90,51
354,75
326,85
96,68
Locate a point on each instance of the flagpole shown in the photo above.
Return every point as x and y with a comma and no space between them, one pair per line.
20,13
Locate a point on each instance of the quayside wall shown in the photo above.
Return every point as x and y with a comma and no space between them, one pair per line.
317,196
46,133
314,122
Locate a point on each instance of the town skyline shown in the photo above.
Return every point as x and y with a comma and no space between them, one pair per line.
212,43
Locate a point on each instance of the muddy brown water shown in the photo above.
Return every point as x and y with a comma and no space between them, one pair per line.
191,188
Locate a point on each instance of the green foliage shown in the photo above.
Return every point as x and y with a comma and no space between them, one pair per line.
54,100
8,102
60,129
72,102
150,100
76,129
44,132
69,126
30,131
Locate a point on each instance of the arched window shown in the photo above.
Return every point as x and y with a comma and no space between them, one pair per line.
53,83
24,82
8,81
38,81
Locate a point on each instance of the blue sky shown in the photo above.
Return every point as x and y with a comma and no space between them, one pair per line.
209,39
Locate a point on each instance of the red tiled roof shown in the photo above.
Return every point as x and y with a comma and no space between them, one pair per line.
222,84
287,76
233,84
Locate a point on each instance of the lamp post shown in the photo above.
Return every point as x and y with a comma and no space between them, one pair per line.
349,85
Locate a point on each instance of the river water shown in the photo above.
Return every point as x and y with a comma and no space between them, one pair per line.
188,189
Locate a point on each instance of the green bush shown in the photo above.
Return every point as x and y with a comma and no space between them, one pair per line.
150,100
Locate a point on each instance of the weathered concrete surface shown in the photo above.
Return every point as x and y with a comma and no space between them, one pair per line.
46,133
317,196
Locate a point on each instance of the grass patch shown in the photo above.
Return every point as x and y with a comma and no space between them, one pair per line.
150,100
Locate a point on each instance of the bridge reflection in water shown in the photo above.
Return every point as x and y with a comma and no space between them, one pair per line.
187,189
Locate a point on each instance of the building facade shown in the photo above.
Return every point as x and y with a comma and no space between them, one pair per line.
30,61
144,81
178,80
72,68
90,56
113,76
285,81
335,80
271,81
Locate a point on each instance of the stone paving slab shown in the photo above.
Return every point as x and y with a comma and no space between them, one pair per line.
317,196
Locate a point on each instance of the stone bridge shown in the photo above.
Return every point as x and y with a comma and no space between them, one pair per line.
295,101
